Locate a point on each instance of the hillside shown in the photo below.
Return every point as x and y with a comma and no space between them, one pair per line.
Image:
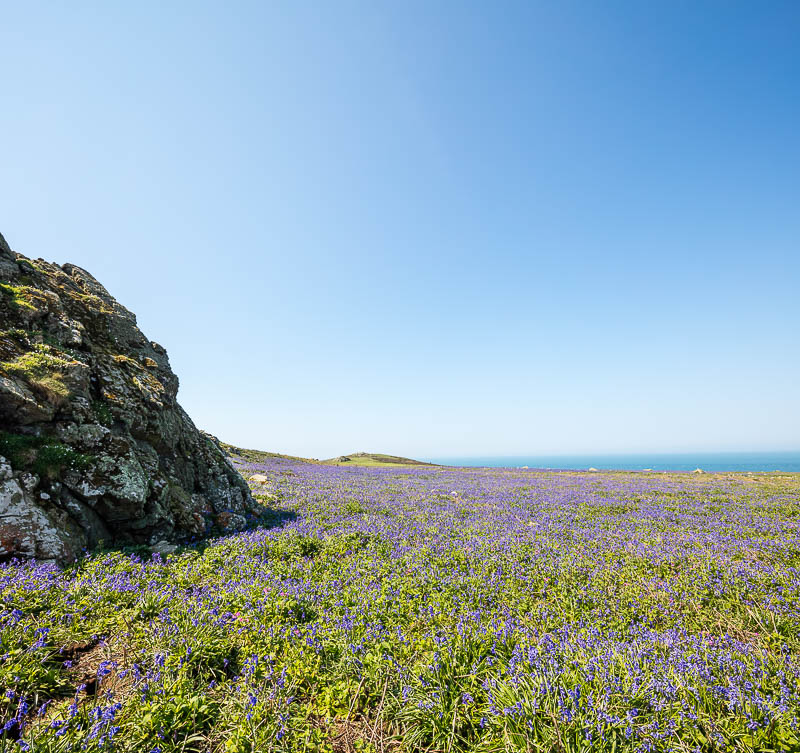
259,456
361,459
372,459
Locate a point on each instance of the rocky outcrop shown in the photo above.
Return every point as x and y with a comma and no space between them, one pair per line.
93,444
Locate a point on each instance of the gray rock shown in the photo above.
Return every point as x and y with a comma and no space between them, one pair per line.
163,547
30,529
97,446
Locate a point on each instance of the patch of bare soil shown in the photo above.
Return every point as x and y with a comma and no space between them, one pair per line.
352,735
96,669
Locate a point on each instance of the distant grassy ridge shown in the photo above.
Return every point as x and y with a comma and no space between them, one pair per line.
258,456
354,459
373,459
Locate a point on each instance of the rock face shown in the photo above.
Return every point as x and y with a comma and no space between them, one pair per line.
93,445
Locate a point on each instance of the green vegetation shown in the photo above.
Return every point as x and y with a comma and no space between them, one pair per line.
362,459
427,609
40,362
91,303
372,460
16,296
40,455
258,456
102,413
43,368
28,267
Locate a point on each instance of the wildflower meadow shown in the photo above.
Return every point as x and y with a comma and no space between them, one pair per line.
426,609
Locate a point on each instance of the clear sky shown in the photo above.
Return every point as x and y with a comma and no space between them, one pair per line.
429,228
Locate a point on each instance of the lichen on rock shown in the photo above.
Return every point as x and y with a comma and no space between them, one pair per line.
93,443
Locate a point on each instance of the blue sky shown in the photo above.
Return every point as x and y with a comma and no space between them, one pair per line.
430,228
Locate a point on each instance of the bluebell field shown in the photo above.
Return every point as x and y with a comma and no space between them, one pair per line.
426,609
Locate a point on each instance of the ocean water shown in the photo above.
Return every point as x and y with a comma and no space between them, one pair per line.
708,461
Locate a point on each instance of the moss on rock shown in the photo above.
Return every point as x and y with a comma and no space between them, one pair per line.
88,405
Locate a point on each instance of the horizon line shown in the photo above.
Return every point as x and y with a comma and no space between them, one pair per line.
619,453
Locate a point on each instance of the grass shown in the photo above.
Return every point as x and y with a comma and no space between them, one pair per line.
43,368
428,609
372,460
16,295
259,456
356,459
40,454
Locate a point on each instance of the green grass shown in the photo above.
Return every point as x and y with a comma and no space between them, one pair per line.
16,296
258,456
40,455
357,459
372,460
43,368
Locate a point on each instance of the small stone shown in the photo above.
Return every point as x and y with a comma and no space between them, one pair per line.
163,547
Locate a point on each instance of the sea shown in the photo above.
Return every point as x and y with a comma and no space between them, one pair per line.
707,461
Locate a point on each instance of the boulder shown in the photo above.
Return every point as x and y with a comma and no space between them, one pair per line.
94,444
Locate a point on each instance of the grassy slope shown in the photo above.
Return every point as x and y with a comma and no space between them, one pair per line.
372,459
258,456
354,459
